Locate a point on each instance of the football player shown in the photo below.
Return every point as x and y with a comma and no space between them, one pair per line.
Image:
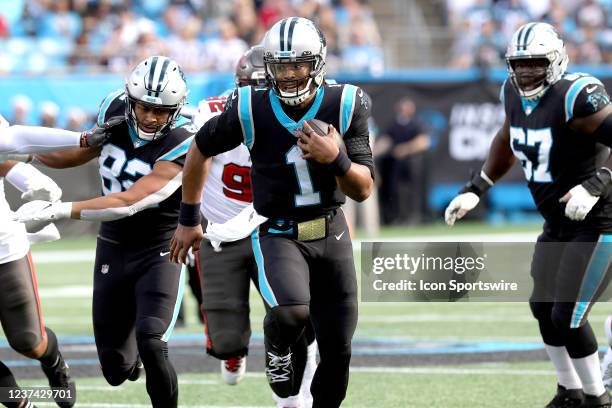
557,126
20,310
227,192
299,179
137,290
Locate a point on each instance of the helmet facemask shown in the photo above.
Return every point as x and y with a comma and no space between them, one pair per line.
295,79
159,129
530,76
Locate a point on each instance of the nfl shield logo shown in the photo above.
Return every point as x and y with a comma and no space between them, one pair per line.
104,269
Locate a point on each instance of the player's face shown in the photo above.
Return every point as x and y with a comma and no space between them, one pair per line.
150,118
530,72
293,76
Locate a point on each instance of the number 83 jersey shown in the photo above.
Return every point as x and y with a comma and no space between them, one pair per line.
125,158
555,157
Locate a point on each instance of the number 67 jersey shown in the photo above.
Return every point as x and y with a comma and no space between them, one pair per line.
555,157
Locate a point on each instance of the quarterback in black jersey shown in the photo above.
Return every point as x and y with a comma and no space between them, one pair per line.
559,127
137,290
299,180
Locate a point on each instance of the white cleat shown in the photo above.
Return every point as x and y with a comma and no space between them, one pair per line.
309,371
294,401
233,369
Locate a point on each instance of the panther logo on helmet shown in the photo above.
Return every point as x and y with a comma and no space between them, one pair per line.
156,83
536,59
294,59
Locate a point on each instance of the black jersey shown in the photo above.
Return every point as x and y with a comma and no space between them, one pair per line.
284,184
125,158
555,157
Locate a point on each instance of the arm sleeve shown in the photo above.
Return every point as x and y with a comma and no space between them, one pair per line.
110,214
221,133
36,139
357,137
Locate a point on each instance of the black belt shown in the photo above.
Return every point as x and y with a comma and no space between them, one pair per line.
301,229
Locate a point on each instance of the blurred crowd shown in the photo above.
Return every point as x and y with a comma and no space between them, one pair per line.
482,28
48,36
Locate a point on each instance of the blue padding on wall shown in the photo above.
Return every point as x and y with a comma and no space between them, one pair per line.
510,197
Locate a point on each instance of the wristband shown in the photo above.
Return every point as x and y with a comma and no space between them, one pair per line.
341,164
599,182
478,185
189,214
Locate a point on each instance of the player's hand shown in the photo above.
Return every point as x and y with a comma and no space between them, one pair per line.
459,207
41,187
38,214
579,203
98,135
322,149
183,239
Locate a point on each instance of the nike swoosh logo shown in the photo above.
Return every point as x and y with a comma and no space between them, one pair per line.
162,253
339,236
591,89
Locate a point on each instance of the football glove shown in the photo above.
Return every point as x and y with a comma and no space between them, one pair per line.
460,206
38,214
579,203
98,135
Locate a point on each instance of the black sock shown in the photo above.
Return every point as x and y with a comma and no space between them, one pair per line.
51,356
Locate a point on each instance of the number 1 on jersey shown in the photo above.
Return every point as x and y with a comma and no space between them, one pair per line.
308,196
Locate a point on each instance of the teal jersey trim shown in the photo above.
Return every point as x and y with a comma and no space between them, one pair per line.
177,305
178,151
528,105
264,285
106,103
347,107
574,90
593,278
245,115
289,123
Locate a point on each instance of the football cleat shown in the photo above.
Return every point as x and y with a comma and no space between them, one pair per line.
294,401
566,398
59,377
279,371
136,370
592,401
233,369
606,362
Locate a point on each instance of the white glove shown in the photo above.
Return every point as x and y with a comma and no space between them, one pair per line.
38,214
459,207
579,203
33,184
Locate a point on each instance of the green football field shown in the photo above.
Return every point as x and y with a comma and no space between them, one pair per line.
406,354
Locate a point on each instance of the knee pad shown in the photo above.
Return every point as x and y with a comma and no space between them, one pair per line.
562,316
541,310
283,325
151,348
151,326
24,341
228,343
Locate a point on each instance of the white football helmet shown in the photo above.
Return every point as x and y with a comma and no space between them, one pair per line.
295,40
537,41
156,82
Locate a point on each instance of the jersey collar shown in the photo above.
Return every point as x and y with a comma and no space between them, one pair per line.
285,120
